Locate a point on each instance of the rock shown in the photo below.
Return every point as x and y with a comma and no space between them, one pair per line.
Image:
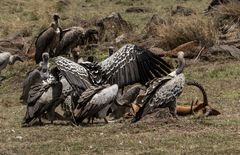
183,11
138,10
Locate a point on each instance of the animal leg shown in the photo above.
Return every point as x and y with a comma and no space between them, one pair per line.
92,119
173,109
40,120
105,119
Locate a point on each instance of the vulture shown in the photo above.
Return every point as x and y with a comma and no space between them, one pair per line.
48,39
95,103
130,95
35,76
162,92
73,37
124,101
43,96
130,64
7,58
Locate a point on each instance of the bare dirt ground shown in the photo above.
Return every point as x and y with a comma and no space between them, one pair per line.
188,135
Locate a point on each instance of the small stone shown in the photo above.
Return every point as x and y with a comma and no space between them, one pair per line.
19,137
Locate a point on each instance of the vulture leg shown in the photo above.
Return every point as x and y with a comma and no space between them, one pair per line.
40,120
173,109
105,119
53,114
89,119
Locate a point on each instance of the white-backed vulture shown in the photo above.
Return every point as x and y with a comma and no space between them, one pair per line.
48,39
35,76
7,58
73,37
43,96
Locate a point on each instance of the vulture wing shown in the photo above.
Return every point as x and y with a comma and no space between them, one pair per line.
70,39
76,75
131,64
3,58
42,42
32,78
100,97
146,99
36,92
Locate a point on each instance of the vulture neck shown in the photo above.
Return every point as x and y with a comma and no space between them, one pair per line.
181,65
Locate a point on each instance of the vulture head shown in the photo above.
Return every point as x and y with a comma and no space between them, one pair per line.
56,17
55,72
14,58
111,50
45,57
181,62
91,36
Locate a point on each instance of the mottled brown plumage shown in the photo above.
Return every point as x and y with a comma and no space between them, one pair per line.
48,39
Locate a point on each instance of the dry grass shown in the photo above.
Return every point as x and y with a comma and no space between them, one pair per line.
227,19
179,30
188,135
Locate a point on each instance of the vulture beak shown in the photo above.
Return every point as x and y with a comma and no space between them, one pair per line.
18,58
56,17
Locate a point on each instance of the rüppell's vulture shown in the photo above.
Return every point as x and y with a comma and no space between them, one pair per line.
43,96
129,65
7,58
162,92
48,39
73,37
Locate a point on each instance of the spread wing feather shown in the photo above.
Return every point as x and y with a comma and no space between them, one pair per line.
146,99
131,64
76,75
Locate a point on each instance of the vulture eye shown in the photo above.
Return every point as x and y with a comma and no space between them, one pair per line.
44,70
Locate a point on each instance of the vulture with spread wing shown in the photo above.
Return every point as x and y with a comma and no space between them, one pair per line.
129,65
162,92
